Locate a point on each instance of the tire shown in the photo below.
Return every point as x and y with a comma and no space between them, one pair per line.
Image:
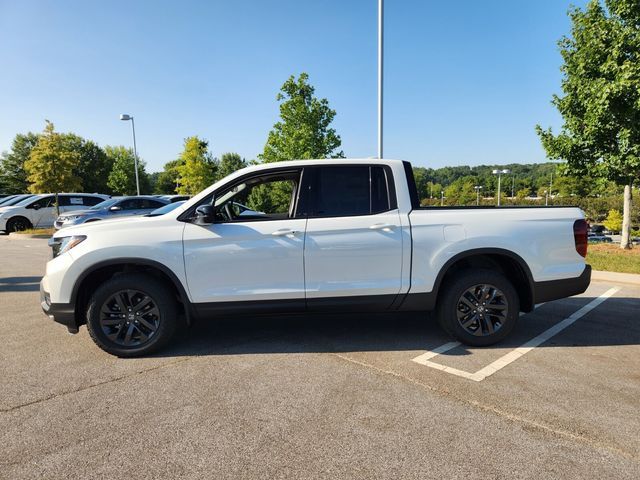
149,317
18,224
478,307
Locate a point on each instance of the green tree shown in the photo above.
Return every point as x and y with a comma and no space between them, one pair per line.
229,163
52,164
12,171
94,165
197,169
168,179
601,102
122,179
461,192
304,130
613,221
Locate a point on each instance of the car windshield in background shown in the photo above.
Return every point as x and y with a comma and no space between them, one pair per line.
25,201
166,209
105,204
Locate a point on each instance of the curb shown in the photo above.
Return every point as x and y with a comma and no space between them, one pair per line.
615,277
27,236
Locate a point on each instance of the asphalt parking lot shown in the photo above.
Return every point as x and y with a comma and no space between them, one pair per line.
322,396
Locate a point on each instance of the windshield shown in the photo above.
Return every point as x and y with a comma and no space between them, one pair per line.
166,209
7,199
24,201
105,204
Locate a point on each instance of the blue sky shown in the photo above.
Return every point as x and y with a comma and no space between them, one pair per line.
466,81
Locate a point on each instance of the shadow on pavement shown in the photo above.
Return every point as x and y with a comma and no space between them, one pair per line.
615,322
20,284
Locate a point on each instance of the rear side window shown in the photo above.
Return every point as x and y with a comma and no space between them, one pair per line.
91,201
350,190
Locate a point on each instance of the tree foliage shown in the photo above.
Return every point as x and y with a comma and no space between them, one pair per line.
167,180
122,179
229,163
304,130
197,168
13,176
613,221
600,104
52,164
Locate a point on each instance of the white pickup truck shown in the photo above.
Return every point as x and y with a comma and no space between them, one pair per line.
324,235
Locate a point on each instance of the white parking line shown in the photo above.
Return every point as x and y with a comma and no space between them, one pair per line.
493,367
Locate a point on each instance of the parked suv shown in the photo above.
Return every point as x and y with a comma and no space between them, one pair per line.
38,211
111,208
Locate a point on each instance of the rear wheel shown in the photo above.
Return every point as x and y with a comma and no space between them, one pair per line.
18,224
132,314
478,307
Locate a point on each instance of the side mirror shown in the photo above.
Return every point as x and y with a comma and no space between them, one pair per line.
205,215
115,208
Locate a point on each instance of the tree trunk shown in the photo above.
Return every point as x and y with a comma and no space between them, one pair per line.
626,218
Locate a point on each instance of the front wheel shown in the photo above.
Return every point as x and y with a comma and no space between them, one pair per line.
478,307
132,314
18,224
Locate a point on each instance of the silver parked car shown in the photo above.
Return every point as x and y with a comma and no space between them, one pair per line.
112,208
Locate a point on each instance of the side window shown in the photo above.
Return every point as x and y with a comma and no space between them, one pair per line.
91,201
63,200
151,204
44,202
265,197
342,191
380,198
351,190
131,204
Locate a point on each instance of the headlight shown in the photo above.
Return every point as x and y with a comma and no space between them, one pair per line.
61,245
71,218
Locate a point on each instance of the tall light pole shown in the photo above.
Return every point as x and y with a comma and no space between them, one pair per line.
380,71
125,118
442,198
478,188
500,173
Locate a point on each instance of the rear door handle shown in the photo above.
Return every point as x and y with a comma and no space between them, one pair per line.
284,231
387,227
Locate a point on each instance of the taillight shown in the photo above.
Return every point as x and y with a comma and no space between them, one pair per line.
580,236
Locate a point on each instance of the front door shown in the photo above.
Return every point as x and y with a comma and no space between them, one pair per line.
253,254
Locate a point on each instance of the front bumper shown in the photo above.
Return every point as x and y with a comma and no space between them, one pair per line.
63,313
556,289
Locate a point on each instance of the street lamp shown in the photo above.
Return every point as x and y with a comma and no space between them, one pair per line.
500,173
442,198
125,118
478,188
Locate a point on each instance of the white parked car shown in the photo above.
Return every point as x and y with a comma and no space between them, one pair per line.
328,235
38,211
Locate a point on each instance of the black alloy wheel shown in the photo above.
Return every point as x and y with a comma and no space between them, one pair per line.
482,309
130,318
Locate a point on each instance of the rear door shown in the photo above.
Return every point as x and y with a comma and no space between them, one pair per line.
353,242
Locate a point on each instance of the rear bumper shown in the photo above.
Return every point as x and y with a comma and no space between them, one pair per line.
63,313
567,287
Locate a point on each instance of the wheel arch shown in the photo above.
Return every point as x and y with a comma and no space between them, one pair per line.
16,217
98,273
507,262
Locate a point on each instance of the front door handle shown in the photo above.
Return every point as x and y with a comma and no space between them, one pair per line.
387,227
284,231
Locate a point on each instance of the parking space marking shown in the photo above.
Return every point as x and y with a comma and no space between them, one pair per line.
500,363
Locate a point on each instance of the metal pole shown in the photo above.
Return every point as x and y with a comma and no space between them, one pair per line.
135,156
513,185
477,196
499,175
442,198
380,71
